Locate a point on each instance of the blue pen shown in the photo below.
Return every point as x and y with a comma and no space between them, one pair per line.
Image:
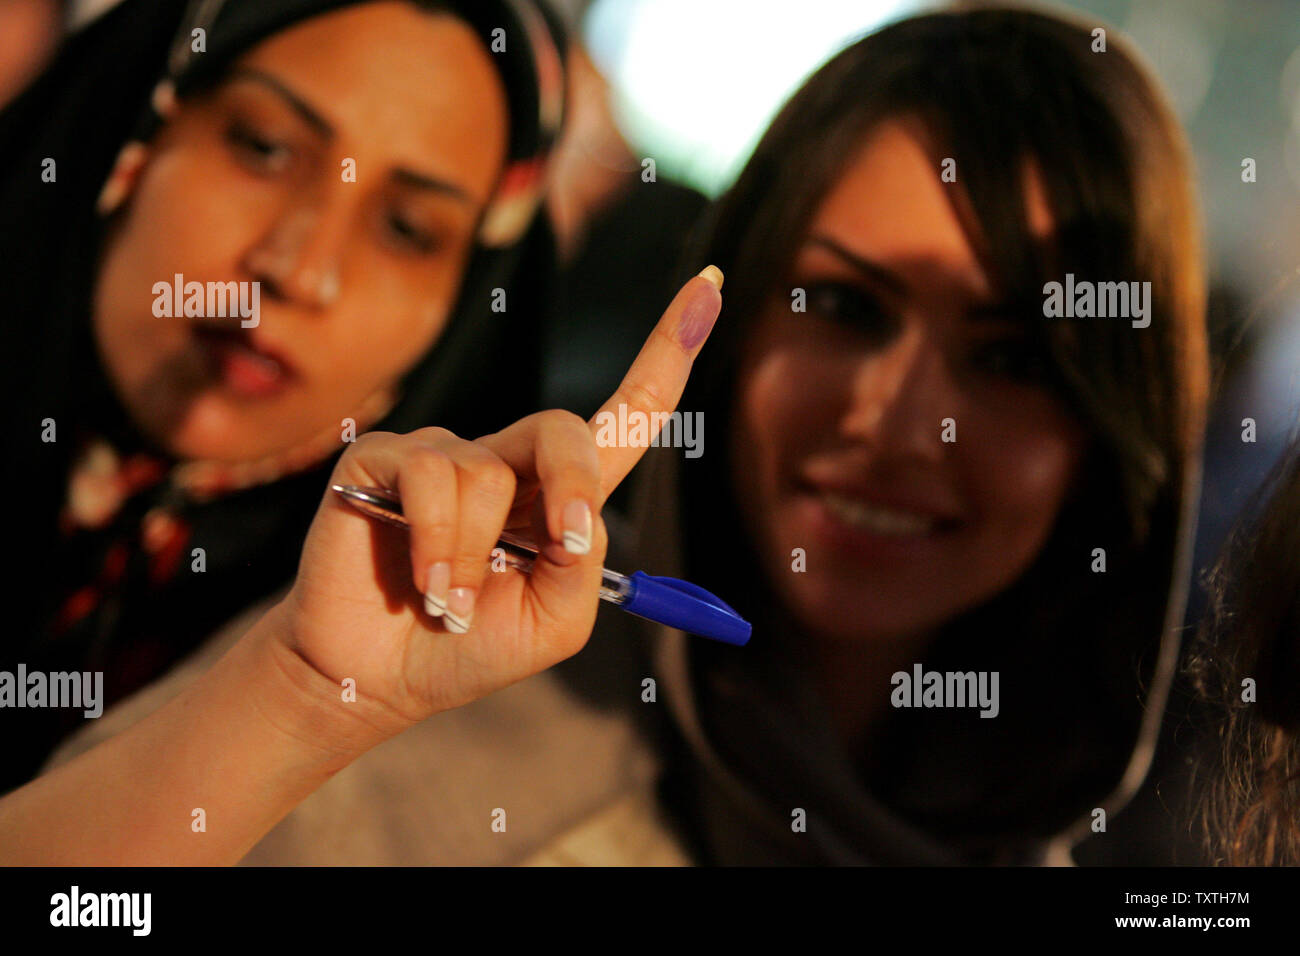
678,604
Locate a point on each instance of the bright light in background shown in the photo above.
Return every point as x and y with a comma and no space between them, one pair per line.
696,82
1182,45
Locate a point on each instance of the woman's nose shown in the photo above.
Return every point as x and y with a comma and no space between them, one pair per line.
298,258
902,398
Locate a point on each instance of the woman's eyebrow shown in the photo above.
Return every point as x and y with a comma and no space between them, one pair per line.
405,177
871,270
997,311
294,101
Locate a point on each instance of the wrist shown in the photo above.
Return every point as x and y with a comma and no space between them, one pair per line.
309,709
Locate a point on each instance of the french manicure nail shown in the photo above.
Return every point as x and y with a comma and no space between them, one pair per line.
460,610
577,527
435,591
714,275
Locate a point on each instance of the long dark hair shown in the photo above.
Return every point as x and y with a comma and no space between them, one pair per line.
1251,806
995,87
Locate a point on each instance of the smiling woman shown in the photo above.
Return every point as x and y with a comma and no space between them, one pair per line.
925,474
366,172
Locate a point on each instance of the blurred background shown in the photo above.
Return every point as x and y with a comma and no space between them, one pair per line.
693,83
690,85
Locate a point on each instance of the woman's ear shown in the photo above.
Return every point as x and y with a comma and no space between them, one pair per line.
126,170
121,181
510,210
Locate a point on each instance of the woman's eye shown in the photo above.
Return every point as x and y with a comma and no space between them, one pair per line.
259,151
409,234
852,307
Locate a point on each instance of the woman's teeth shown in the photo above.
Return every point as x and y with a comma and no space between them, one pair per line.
876,519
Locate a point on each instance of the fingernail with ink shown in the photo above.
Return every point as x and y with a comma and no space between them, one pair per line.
460,610
577,527
700,313
435,591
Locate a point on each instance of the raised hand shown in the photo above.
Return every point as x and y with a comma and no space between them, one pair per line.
419,621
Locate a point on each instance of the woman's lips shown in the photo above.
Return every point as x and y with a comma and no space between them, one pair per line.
247,368
875,518
866,527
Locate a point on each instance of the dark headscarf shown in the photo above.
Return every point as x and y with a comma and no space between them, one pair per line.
106,599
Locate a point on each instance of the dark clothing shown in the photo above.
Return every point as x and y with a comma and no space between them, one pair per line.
756,772
122,598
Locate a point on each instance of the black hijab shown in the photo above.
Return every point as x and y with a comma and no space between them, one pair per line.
107,87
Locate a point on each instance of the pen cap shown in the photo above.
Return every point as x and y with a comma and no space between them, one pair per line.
685,606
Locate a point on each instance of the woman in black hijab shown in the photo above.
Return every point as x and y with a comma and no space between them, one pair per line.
333,176
169,465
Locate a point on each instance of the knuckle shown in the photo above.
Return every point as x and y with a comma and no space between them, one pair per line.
641,394
663,335
434,537
562,418
427,461
494,478
367,441
434,435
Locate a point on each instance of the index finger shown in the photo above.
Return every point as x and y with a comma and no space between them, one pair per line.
654,384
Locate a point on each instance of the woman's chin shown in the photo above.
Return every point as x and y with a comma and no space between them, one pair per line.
215,430
853,610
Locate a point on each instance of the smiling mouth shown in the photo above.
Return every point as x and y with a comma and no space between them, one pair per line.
889,522
240,363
